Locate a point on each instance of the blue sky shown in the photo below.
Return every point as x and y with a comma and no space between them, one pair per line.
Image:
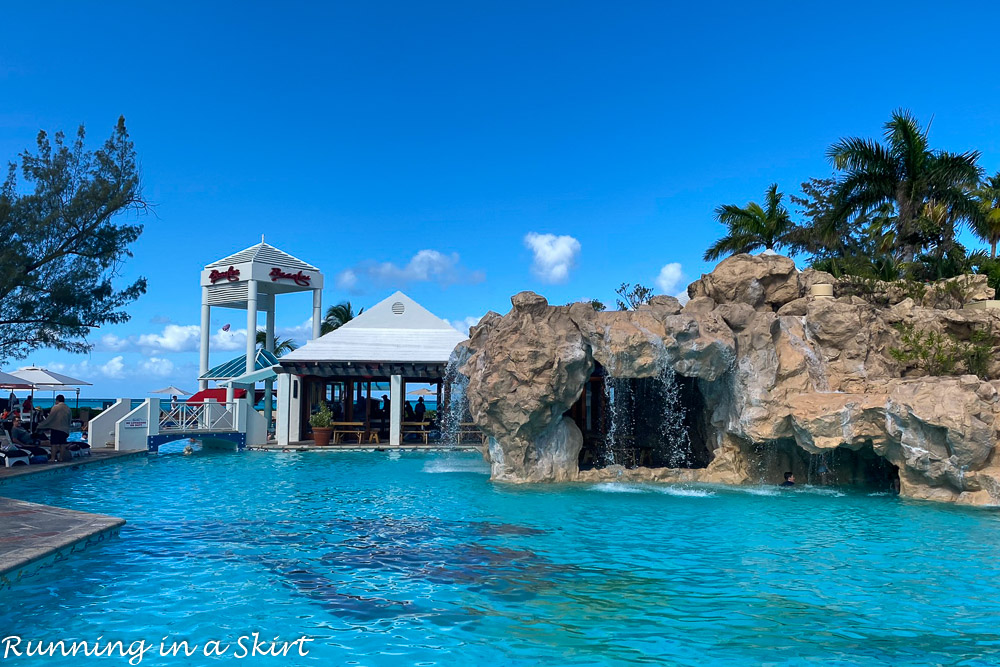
359,134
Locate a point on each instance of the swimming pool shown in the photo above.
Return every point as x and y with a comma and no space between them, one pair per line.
386,559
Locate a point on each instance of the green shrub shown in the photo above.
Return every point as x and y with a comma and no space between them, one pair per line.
323,418
945,354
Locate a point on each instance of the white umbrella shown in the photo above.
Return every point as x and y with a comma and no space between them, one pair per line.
8,381
43,378
176,391
423,391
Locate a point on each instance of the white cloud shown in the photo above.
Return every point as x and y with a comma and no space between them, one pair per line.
140,370
425,266
464,324
173,338
156,366
113,343
347,280
300,334
234,339
670,278
554,256
114,369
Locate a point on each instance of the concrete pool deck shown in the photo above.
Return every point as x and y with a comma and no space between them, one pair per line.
97,457
34,537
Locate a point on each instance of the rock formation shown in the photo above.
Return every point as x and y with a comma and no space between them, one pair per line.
893,372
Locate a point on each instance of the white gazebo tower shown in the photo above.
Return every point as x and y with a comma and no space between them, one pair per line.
250,280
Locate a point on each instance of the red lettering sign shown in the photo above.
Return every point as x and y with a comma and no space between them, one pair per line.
299,278
230,274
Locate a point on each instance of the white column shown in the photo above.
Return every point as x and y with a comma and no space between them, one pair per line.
269,346
282,422
206,322
269,329
395,403
317,311
251,324
231,393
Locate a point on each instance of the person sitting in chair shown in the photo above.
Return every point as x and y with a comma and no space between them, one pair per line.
24,440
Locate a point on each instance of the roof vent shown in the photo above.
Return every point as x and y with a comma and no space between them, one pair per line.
398,308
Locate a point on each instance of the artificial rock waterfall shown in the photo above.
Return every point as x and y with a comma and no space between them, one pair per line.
783,378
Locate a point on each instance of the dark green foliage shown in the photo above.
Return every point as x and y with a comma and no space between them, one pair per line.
990,268
65,241
596,304
892,210
979,351
929,351
986,224
282,346
337,316
632,296
752,227
928,190
945,354
877,291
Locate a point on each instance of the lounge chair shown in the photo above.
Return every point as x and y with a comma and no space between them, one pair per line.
12,457
37,451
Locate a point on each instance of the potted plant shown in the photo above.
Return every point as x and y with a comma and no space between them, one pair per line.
320,422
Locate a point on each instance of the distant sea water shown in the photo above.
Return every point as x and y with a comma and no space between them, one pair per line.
92,403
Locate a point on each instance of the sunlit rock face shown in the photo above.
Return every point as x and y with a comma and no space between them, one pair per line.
773,365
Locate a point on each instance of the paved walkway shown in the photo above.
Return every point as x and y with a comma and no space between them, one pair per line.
34,536
97,457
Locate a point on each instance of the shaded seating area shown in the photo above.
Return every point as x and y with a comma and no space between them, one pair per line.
361,370
342,430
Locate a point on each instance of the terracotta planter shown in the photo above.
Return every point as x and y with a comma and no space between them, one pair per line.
321,435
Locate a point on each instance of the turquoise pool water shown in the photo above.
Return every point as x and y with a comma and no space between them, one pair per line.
417,559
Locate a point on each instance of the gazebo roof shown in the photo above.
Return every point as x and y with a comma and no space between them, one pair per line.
237,366
262,253
397,332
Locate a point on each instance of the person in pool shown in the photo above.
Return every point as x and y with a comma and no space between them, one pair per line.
789,479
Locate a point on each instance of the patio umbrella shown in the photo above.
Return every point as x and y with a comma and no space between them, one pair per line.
423,391
43,378
175,391
8,381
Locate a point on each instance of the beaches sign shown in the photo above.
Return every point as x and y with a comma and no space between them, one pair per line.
232,274
301,279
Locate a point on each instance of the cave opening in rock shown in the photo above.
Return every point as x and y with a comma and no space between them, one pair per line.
656,422
840,467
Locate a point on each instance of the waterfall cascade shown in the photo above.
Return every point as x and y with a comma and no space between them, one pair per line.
457,411
646,419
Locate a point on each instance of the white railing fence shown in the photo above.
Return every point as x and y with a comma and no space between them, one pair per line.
208,416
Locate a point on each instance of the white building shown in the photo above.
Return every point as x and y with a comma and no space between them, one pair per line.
397,341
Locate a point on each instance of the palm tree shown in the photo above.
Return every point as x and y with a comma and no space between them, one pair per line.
905,172
987,224
282,346
337,316
752,226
